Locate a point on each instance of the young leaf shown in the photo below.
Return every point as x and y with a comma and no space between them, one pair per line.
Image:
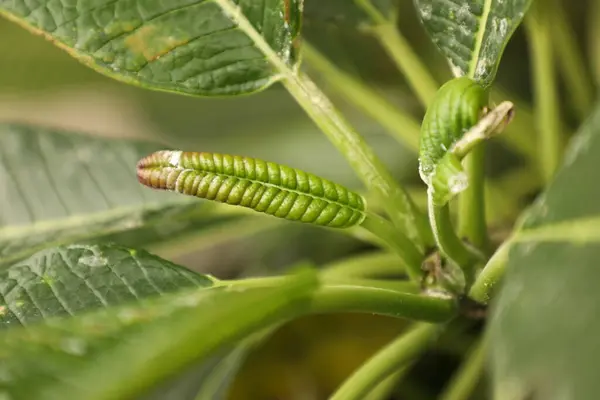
76,278
266,187
472,34
186,46
545,329
123,352
57,187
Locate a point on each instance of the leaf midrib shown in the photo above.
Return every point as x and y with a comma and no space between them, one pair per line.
487,7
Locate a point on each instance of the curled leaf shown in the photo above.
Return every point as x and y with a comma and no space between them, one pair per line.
265,187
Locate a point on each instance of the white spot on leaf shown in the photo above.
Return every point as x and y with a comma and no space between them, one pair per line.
93,261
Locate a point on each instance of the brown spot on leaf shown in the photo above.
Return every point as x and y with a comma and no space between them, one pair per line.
153,43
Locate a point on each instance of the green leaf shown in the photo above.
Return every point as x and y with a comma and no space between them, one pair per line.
472,34
58,187
188,46
76,278
123,352
545,325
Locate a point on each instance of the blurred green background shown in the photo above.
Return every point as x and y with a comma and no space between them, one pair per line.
308,358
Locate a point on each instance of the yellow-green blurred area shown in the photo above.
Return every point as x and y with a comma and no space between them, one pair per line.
308,358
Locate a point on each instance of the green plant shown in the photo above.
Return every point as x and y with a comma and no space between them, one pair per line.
87,314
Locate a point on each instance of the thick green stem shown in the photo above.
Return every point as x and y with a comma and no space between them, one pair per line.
384,389
401,125
464,382
338,130
341,298
361,157
398,243
376,264
449,244
491,275
547,111
471,214
570,62
388,360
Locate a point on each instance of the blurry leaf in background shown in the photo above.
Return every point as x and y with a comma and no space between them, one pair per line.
127,350
57,187
551,278
472,34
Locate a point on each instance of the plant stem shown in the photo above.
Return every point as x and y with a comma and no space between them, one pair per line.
398,243
375,264
401,125
341,298
407,61
570,62
449,244
361,157
491,275
342,135
547,110
471,213
464,382
384,389
392,357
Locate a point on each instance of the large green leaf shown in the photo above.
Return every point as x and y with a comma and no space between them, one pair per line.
123,352
545,328
60,187
76,278
189,46
472,34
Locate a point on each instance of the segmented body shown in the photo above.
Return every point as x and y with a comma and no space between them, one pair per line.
456,108
266,187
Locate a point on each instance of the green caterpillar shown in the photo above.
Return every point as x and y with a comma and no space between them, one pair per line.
457,107
265,187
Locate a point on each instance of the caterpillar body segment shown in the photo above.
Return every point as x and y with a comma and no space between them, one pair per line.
265,187
457,107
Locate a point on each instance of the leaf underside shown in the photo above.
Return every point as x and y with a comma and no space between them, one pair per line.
472,34
125,351
545,328
75,279
58,187
186,46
